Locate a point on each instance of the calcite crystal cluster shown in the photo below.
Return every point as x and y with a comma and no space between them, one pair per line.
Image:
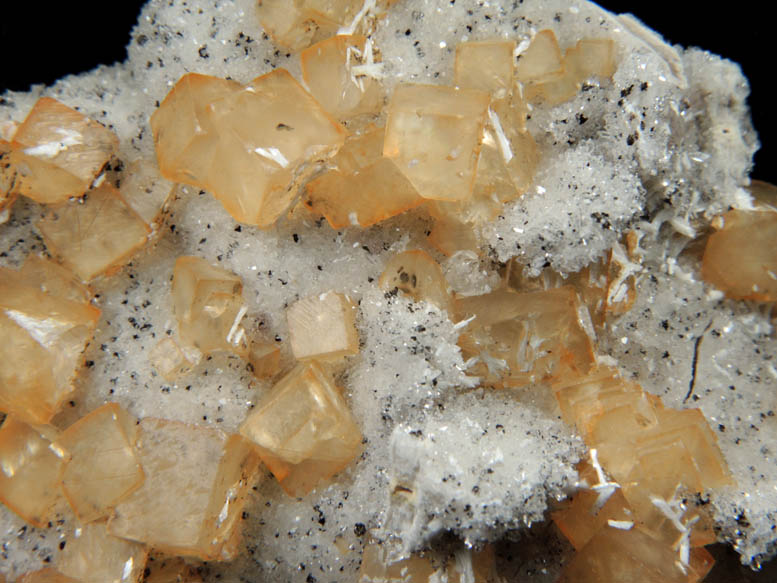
466,273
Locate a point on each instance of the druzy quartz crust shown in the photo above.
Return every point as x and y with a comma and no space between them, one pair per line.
373,289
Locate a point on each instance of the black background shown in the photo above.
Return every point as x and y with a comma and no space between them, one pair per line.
43,41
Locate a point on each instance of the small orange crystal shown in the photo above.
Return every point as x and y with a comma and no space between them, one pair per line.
303,429
542,59
161,569
94,556
485,65
208,303
194,492
46,323
57,152
29,471
96,235
418,275
171,360
44,576
101,466
323,327
433,136
740,258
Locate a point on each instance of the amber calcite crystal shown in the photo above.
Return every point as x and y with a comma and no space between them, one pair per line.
417,274
339,74
161,569
523,338
44,576
101,466
171,360
29,471
740,258
46,321
433,136
251,146
193,495
363,187
145,190
375,567
57,152
264,357
619,555
8,193
486,65
95,235
303,429
208,303
323,327
92,555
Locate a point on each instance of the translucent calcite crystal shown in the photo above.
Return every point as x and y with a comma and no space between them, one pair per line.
433,136
264,357
376,568
619,555
29,471
339,72
487,66
296,24
250,146
101,466
740,258
323,327
303,429
46,321
92,555
541,60
417,274
145,190
57,152
363,187
523,338
208,303
191,501
171,360
95,235
8,194
44,576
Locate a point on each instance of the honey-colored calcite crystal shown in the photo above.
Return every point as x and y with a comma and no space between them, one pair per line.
740,258
323,327
486,65
171,360
92,555
541,60
145,190
264,357
8,194
617,555
363,187
101,466
46,322
29,471
196,481
161,569
208,303
417,274
433,136
523,338
57,152
376,568
303,429
44,576
337,73
95,235
184,133
251,146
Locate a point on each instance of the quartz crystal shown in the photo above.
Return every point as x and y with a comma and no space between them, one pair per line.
250,146
29,480
417,274
101,466
208,303
95,235
57,152
433,136
44,576
339,73
363,188
94,556
193,495
740,258
303,429
46,323
323,327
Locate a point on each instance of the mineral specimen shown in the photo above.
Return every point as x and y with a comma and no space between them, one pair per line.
323,327
213,469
